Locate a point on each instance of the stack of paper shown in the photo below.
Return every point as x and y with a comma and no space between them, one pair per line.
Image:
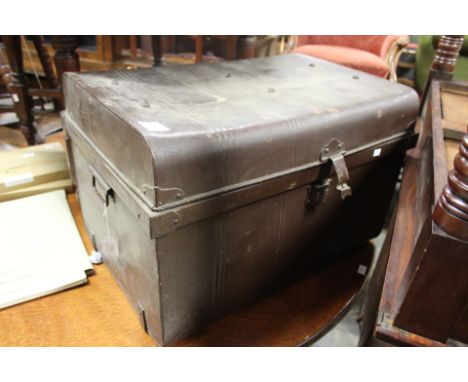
33,170
41,251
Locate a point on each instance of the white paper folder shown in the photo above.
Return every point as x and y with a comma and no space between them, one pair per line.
41,251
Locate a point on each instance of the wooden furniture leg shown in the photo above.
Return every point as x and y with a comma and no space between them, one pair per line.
231,47
39,44
158,50
133,46
451,211
5,80
66,59
444,62
18,87
246,47
198,48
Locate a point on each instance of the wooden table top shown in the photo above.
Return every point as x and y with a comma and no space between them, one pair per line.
98,314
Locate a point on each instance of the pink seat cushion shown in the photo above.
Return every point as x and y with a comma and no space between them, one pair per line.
353,58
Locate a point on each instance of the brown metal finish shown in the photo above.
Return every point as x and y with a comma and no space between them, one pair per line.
205,220
186,106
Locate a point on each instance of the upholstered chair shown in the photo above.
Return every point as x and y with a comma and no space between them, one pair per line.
374,54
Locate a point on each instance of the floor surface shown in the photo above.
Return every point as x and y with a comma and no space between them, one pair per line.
346,333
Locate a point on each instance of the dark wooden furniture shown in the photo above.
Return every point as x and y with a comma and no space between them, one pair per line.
16,84
424,299
66,58
15,79
419,291
425,292
444,62
96,52
235,47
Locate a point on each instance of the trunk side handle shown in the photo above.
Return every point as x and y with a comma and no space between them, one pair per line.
102,189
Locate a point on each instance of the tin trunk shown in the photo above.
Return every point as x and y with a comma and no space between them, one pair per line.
210,185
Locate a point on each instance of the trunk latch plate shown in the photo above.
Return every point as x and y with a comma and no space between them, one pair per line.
335,152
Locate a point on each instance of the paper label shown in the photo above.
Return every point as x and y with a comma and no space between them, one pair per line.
110,247
154,127
377,152
362,270
15,180
15,97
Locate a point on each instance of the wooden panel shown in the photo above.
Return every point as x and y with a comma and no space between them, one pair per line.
425,289
460,332
399,258
455,108
402,242
437,152
451,149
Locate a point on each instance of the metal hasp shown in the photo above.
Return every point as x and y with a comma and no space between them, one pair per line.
334,151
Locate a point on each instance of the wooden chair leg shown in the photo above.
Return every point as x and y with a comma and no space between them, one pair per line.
39,44
133,47
246,47
66,59
198,48
18,87
158,50
231,47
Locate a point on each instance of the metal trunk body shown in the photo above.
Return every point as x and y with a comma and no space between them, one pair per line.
211,185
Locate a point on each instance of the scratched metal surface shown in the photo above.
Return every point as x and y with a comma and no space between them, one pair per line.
186,132
199,128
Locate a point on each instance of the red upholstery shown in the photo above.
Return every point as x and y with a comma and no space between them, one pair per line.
366,53
350,57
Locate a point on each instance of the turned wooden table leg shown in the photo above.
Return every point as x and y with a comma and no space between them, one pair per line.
246,47
198,49
444,62
18,87
231,47
66,59
39,44
158,50
451,211
446,56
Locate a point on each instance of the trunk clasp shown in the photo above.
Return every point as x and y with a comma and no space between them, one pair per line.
335,152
